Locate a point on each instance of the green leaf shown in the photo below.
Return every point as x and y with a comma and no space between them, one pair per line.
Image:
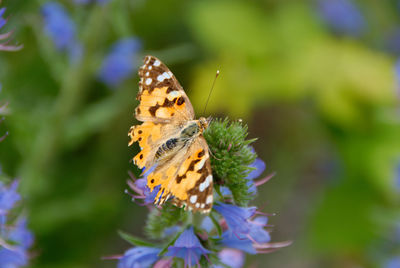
216,224
134,240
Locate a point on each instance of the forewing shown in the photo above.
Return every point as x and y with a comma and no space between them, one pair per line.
163,107
162,98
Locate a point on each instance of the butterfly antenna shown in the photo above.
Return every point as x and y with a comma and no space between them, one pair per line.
209,94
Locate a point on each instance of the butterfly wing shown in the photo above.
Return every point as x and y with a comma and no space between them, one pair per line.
163,107
187,177
162,98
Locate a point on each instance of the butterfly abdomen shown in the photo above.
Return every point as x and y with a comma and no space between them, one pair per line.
167,147
172,145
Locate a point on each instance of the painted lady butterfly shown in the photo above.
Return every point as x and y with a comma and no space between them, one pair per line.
171,140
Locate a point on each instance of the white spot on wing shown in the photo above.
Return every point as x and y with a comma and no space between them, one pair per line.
202,186
160,78
202,205
209,178
157,63
166,75
197,205
174,94
205,183
209,199
201,163
148,81
193,199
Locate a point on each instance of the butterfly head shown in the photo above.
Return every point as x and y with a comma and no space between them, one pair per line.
204,122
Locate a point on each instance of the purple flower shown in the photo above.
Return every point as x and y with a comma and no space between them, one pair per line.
393,263
121,62
397,178
252,247
8,197
259,167
243,231
21,235
237,218
342,16
139,257
139,186
231,257
13,258
61,29
207,224
4,46
18,239
188,248
232,241
257,232
391,41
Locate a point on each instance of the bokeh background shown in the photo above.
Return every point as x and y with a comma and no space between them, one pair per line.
316,81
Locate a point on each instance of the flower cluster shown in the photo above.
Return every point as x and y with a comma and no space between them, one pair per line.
62,30
227,233
119,63
342,16
15,238
5,36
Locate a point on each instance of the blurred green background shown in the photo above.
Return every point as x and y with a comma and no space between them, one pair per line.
317,85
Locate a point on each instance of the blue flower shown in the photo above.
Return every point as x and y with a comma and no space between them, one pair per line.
8,197
170,231
257,237
61,29
397,178
259,167
20,239
231,257
393,263
4,46
139,186
121,62
237,218
232,241
13,258
2,20
257,232
207,224
243,231
21,235
149,196
188,248
391,42
139,257
342,16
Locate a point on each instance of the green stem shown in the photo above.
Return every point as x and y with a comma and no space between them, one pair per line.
72,92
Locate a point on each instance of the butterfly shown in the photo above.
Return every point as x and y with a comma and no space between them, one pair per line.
173,152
